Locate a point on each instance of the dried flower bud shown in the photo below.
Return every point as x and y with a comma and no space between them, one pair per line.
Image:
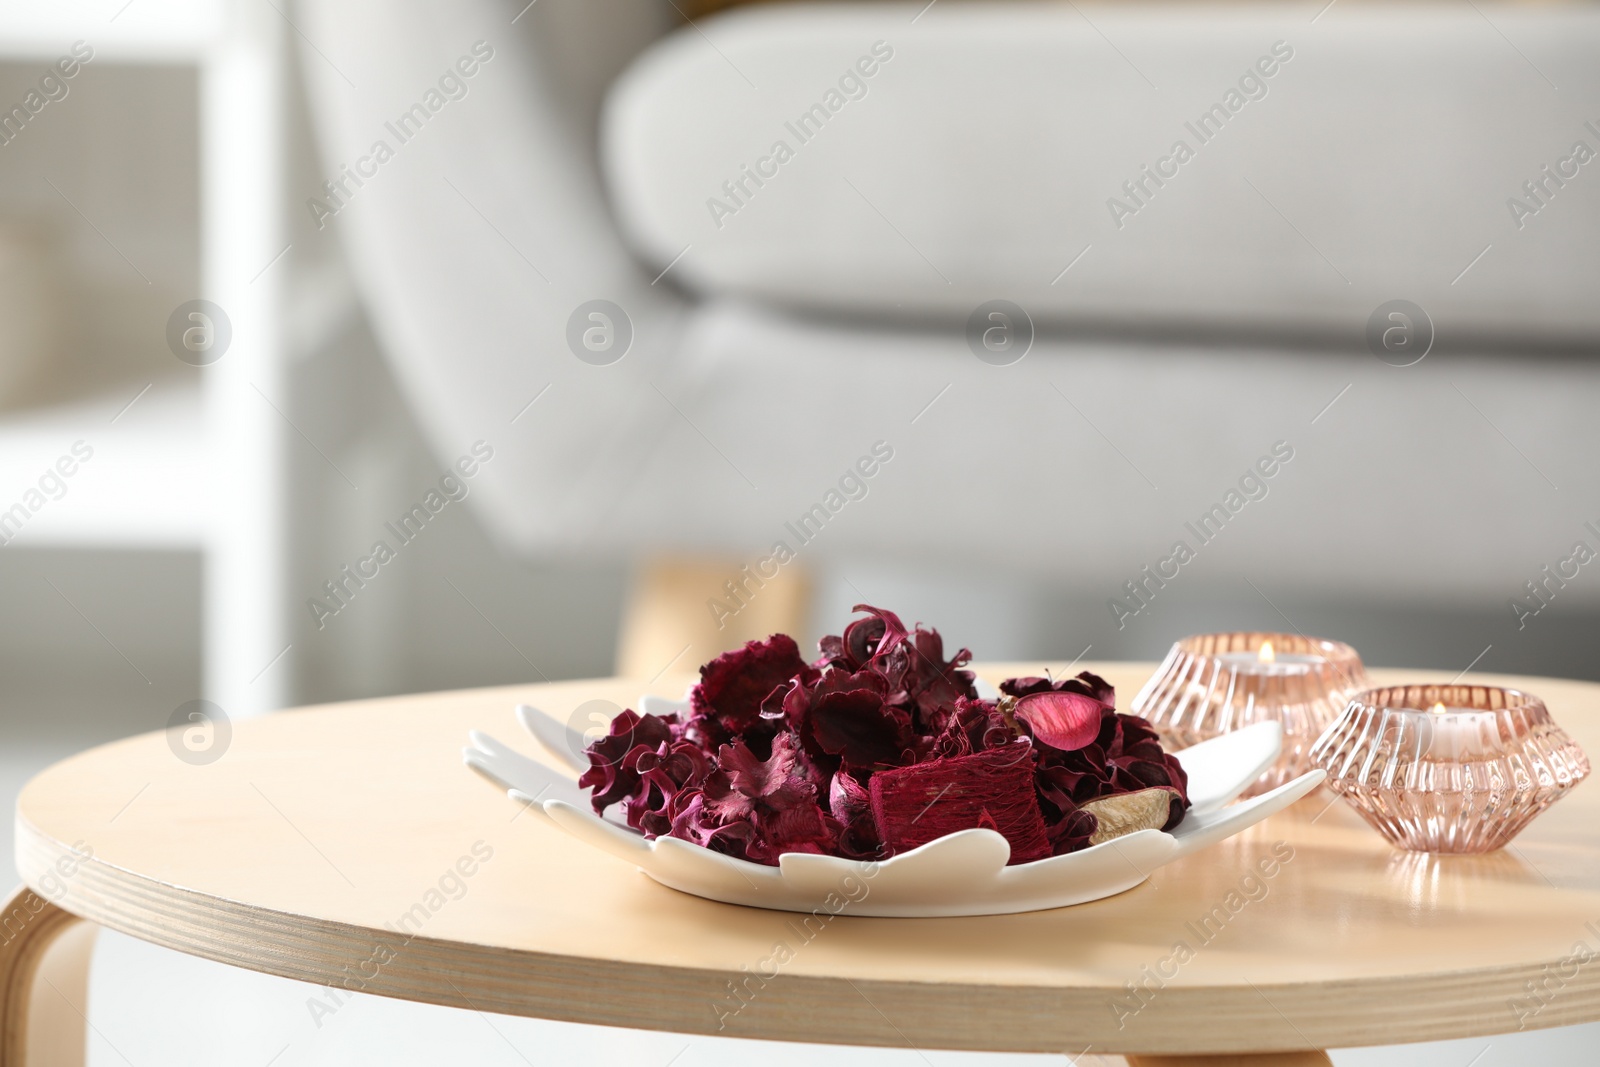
1126,813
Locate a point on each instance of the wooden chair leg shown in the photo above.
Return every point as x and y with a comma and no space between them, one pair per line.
44,983
682,612
1258,1059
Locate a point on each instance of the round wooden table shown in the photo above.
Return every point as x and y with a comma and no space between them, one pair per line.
347,845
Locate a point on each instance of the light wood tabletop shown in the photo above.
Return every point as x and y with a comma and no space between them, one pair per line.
347,845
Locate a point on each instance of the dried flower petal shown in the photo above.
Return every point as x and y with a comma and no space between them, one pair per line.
608,776
860,728
1086,684
1066,721
727,701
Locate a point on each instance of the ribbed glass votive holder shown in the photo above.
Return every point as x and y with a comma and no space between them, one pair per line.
1210,684
1449,768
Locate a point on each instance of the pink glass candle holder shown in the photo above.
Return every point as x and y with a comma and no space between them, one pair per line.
1449,768
1213,683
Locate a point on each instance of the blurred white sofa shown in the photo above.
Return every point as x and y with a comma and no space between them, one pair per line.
1180,338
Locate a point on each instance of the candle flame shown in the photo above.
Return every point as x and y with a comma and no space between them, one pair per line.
1267,655
1437,709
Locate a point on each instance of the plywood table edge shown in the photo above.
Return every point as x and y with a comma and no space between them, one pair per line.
945,1014
838,1010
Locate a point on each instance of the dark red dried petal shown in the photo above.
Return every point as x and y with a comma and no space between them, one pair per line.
786,768
849,681
861,640
936,683
724,801
879,634
1085,684
1021,687
833,653
1151,774
695,821
1072,832
860,728
610,776
801,828
970,726
848,799
1090,685
1179,779
733,686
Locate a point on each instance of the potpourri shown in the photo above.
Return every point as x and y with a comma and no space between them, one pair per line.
878,746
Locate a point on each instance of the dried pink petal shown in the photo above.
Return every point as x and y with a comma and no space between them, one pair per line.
1065,721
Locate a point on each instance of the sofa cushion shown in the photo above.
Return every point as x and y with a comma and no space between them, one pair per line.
1239,166
1091,459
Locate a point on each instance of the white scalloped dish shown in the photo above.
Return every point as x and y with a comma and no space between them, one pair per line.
963,873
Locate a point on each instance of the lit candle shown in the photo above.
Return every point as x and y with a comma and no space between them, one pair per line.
1452,734
1268,660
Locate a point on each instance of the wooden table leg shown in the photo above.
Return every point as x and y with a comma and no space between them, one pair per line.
44,983
682,612
1257,1059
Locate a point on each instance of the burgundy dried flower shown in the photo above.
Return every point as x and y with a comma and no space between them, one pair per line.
972,726
851,805
727,702
860,728
607,776
663,773
1085,684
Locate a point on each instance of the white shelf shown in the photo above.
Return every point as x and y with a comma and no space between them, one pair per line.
144,30
150,483
147,484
